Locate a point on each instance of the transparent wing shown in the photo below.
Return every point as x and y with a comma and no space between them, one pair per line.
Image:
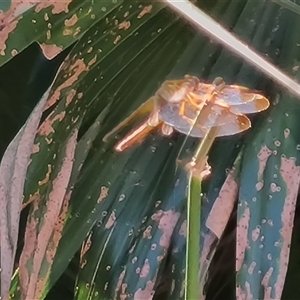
260,103
235,95
242,123
210,115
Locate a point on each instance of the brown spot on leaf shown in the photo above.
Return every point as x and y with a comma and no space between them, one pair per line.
255,234
30,244
123,294
121,197
274,187
39,234
153,247
117,39
50,51
15,11
48,141
160,257
124,25
259,185
262,156
252,267
4,34
145,269
72,21
244,295
119,284
266,284
146,294
277,143
222,208
67,31
240,293
92,61
76,69
35,148
133,247
103,194
290,173
157,203
286,132
70,96
147,233
47,176
48,34
58,6
46,127
84,249
146,10
77,31
242,238
111,220
14,52
32,198
167,221
54,241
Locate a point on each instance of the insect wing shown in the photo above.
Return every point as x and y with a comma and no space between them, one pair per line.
241,124
260,103
228,122
234,96
169,114
210,116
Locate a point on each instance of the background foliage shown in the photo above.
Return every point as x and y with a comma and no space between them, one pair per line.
122,219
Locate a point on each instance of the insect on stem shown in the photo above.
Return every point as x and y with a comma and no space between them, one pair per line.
198,165
205,145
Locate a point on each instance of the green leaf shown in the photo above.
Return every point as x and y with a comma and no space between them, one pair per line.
129,208
269,187
86,81
294,7
193,239
12,177
45,223
54,25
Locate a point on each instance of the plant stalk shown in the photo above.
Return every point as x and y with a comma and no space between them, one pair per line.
196,173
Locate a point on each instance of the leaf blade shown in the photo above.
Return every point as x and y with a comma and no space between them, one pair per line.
12,178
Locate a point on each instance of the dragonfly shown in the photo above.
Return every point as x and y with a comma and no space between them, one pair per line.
192,107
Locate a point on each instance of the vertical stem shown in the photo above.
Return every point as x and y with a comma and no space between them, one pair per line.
203,149
193,288
193,239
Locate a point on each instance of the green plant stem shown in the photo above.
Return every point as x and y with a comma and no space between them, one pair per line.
192,290
193,239
201,153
